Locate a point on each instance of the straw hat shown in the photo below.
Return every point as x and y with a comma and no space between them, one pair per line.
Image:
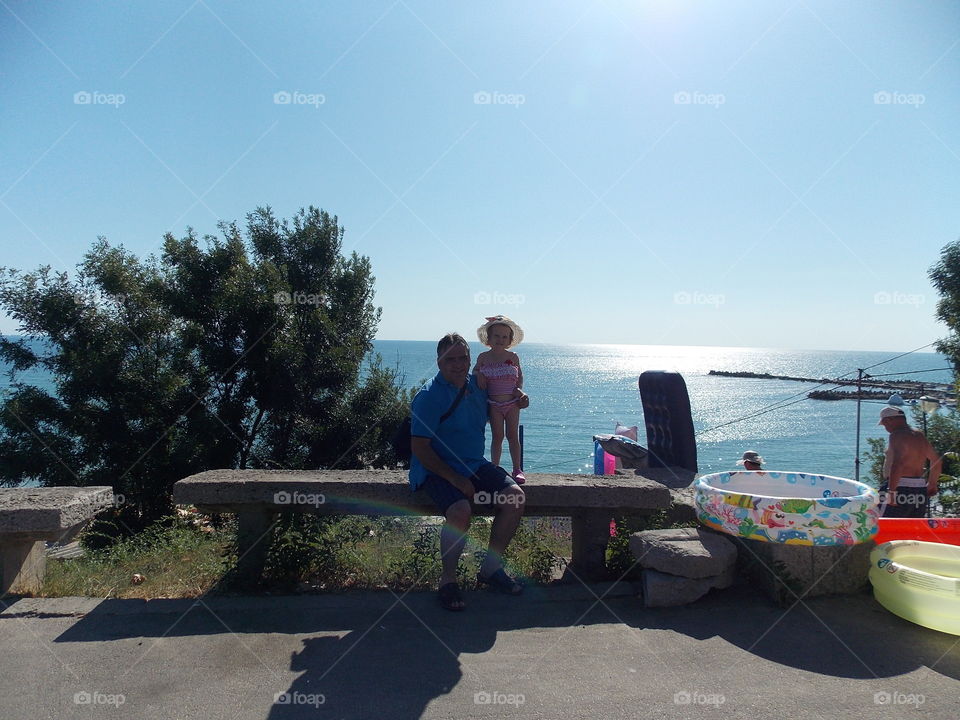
500,320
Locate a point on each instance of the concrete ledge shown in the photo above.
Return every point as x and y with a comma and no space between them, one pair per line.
788,572
31,516
47,513
387,492
255,495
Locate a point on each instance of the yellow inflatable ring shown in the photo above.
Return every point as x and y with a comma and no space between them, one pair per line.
919,581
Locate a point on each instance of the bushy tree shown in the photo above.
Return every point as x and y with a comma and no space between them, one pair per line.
235,352
945,276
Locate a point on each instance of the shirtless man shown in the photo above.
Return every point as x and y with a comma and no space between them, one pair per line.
905,492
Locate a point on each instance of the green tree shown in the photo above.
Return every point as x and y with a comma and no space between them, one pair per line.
240,351
944,430
945,276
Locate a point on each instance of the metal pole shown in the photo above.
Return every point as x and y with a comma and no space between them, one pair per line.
521,447
856,463
923,410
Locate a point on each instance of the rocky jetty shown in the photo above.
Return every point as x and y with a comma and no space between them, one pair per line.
870,389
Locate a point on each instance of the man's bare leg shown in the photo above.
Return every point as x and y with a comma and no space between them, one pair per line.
453,536
505,523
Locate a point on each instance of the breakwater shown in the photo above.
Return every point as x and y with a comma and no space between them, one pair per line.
870,389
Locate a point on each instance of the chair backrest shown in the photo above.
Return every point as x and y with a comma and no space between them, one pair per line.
666,414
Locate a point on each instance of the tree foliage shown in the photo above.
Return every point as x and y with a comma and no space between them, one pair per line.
238,351
945,276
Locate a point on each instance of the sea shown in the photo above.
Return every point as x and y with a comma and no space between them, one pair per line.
578,391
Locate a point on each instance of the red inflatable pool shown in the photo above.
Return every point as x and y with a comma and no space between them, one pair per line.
935,530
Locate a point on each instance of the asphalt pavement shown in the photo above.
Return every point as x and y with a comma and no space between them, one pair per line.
563,651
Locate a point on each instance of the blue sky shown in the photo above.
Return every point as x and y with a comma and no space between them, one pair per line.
773,174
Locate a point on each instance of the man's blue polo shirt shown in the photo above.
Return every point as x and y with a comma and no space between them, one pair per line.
460,439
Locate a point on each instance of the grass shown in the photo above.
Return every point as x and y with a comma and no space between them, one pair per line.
190,557
175,558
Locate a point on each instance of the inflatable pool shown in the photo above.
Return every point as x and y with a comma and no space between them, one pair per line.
935,530
918,581
788,507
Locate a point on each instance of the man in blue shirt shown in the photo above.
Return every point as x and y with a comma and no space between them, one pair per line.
447,438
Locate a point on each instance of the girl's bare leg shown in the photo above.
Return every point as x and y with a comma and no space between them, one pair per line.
496,445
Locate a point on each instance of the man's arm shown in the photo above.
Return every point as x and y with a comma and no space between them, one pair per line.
421,447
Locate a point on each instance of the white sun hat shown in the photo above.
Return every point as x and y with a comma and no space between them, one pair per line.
500,320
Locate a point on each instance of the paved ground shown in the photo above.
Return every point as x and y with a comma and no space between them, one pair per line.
559,652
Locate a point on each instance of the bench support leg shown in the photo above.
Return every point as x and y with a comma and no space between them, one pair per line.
254,530
591,532
24,562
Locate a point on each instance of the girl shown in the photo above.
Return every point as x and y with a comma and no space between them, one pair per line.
498,372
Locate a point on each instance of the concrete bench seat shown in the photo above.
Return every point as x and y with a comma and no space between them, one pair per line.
31,516
256,495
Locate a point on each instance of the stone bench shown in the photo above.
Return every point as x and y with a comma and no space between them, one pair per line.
256,495
31,516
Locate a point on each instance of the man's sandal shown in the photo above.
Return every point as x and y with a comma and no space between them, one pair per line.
450,597
501,582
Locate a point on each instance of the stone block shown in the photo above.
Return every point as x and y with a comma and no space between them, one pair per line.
22,565
49,513
664,590
29,516
686,552
788,572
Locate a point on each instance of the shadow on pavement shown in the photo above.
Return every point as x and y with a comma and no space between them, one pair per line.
390,655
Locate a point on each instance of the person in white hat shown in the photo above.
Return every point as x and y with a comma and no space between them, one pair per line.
498,372
751,460
905,492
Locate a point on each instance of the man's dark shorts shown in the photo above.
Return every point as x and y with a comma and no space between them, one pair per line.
488,480
911,502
